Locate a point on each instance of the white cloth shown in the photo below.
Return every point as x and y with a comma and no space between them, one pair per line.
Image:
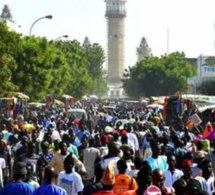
103,151
210,184
113,160
2,166
204,184
133,138
90,154
109,118
72,182
171,178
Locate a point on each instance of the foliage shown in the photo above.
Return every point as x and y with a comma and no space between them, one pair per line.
207,87
9,46
36,67
96,57
157,76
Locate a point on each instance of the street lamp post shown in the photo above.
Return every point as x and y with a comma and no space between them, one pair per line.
45,17
64,36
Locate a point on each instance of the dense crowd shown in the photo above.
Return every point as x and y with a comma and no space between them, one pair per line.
129,151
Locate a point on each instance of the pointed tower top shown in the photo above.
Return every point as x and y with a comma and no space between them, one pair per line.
86,42
6,14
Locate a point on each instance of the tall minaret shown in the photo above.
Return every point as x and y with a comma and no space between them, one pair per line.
115,14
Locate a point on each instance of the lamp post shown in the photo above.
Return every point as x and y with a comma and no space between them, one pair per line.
45,17
64,36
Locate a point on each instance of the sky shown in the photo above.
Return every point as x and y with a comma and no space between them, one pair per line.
190,23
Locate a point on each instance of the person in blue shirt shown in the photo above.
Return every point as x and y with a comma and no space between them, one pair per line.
83,131
18,187
49,188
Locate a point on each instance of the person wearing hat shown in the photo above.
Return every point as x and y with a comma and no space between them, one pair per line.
108,181
104,149
186,182
18,187
49,188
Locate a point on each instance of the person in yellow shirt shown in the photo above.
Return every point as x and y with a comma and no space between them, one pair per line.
123,182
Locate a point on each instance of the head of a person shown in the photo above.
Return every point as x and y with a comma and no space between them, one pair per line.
91,142
156,148
199,157
24,141
68,163
144,177
199,145
115,150
138,162
158,178
56,145
50,175
47,137
97,140
124,139
72,135
127,153
122,166
19,171
34,136
66,138
207,168
45,147
63,147
31,148
187,168
171,160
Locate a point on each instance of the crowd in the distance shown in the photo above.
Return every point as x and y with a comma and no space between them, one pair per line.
127,152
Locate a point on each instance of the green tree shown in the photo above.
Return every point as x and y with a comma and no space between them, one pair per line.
95,58
9,47
155,76
35,64
79,79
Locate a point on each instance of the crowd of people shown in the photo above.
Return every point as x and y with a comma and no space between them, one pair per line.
64,155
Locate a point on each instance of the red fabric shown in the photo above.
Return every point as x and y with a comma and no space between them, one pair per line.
130,192
186,163
104,193
208,130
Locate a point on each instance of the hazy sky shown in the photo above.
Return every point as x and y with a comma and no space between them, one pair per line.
190,23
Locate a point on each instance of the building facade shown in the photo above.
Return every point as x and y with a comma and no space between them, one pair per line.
205,72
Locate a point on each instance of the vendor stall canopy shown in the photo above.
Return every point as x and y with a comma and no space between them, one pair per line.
17,95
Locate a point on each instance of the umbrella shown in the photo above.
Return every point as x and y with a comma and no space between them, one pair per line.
28,127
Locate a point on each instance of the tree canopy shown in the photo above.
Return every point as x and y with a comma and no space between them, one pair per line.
157,76
37,67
